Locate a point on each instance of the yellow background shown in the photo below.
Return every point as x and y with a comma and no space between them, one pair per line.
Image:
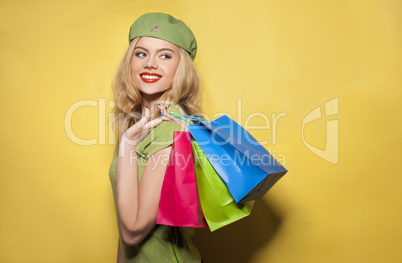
276,56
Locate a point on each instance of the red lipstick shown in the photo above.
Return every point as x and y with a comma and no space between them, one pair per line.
150,77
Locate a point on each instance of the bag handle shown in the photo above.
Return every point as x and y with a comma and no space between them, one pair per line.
189,118
181,117
178,117
167,117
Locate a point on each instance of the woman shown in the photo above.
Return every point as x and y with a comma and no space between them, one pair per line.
157,71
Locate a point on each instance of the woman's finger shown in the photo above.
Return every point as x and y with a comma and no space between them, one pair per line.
145,117
163,109
152,124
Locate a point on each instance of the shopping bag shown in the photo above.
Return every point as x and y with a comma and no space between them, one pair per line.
245,166
179,203
218,205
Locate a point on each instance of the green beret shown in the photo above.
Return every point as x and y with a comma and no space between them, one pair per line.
165,27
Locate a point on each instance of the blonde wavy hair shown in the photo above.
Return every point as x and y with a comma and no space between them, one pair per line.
185,90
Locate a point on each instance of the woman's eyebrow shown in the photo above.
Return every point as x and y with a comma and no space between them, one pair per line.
158,50
141,48
165,49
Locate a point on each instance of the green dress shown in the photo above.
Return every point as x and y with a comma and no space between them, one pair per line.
163,243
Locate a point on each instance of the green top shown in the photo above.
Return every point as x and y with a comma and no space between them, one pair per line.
163,243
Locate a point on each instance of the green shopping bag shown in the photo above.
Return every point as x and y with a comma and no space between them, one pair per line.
218,205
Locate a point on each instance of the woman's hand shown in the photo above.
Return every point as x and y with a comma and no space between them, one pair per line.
136,133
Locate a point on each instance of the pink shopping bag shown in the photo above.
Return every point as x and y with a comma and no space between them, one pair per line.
179,203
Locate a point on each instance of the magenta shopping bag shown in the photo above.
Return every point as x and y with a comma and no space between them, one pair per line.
179,203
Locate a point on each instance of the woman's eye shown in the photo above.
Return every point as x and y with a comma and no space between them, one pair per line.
140,54
166,56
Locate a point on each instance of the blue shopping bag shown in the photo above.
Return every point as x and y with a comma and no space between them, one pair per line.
245,166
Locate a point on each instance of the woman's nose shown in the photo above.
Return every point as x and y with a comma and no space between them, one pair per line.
151,62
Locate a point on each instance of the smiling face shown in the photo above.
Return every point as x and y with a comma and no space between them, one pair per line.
154,65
